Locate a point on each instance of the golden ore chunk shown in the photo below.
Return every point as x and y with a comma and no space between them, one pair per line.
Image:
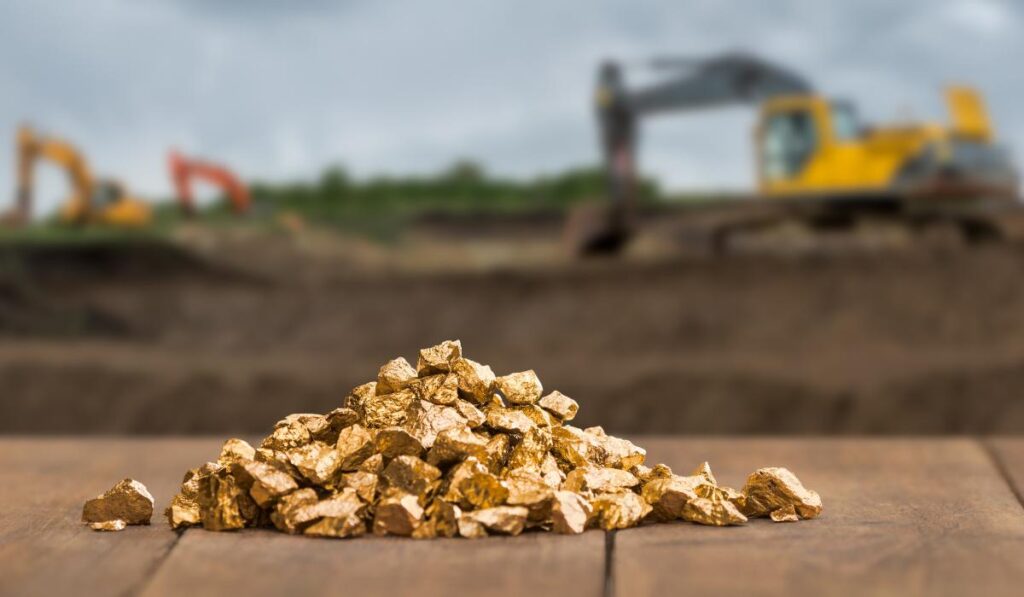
776,492
520,388
560,405
438,359
128,501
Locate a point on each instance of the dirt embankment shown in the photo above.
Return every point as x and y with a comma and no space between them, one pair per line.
929,342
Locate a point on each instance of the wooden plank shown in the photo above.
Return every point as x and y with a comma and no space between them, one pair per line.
44,548
901,517
261,562
1009,451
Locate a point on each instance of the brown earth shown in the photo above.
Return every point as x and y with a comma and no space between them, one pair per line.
226,332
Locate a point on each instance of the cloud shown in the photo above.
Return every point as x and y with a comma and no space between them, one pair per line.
280,90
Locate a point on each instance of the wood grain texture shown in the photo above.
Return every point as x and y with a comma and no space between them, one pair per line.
255,563
46,550
902,517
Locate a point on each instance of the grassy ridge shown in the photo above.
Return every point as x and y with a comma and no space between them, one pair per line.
379,206
465,186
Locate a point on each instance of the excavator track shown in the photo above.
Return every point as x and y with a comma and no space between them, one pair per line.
971,220
807,224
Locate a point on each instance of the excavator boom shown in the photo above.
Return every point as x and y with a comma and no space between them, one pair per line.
32,147
183,170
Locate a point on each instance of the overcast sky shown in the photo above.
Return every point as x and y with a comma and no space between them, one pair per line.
281,89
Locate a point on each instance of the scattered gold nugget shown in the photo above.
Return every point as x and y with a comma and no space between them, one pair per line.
777,493
448,449
108,525
128,502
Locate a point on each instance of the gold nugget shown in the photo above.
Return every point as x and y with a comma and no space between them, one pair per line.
108,525
475,380
509,420
560,405
506,520
129,502
395,441
776,492
619,510
397,514
569,513
266,483
484,490
395,375
520,388
599,479
411,475
224,505
438,359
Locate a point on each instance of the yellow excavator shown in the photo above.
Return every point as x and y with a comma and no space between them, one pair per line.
816,162
93,201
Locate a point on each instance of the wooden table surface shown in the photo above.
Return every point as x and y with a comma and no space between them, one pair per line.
902,516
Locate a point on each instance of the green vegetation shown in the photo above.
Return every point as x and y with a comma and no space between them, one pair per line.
337,199
51,232
378,206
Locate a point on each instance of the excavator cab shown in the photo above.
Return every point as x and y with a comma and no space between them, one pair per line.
809,145
787,138
112,203
804,143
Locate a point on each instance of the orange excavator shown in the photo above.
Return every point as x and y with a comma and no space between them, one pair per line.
183,169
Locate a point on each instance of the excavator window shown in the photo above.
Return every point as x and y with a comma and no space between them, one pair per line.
107,193
845,124
787,143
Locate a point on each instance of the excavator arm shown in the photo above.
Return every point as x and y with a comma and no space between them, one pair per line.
734,78
183,170
32,147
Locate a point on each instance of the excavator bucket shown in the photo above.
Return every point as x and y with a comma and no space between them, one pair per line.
968,114
593,229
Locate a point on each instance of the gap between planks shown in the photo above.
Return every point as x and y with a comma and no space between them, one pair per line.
1001,468
609,563
147,578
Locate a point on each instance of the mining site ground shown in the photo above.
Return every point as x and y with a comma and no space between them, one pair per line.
226,330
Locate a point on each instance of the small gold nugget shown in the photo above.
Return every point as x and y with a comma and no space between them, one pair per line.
448,449
777,493
128,502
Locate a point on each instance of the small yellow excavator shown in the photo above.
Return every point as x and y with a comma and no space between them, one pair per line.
93,201
815,160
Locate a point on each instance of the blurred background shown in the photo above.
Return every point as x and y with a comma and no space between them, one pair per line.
704,217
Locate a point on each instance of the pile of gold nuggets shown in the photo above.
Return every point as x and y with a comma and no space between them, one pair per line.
447,449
